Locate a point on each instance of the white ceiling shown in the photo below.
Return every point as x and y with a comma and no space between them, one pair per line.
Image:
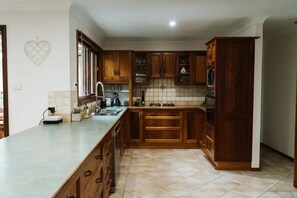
194,18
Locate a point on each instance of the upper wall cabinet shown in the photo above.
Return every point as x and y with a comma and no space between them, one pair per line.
117,66
162,64
191,68
200,67
140,68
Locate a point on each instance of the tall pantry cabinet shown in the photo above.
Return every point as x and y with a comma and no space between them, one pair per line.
229,143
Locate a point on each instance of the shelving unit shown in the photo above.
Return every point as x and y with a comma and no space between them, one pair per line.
184,69
140,74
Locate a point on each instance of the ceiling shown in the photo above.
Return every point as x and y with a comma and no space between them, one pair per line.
194,18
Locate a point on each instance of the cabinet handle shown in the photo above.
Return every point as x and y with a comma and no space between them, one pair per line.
107,168
119,72
115,72
88,173
97,157
108,182
99,180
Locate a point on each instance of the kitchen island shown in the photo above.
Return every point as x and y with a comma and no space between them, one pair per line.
38,161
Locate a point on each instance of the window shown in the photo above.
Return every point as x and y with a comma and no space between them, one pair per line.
89,56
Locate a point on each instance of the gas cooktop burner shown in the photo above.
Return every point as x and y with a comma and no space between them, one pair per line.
155,104
163,105
168,105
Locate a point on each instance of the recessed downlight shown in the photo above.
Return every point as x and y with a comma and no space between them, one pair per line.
172,23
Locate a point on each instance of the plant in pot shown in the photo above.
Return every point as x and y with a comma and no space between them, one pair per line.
76,115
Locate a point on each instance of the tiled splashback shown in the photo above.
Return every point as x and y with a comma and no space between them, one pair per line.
61,100
179,95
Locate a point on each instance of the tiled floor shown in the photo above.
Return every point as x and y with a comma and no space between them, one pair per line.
186,173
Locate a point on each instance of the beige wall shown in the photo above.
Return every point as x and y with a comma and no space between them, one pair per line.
279,96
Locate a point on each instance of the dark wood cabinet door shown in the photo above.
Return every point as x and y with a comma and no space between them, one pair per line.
109,66
135,126
156,64
200,68
201,134
124,65
168,68
191,126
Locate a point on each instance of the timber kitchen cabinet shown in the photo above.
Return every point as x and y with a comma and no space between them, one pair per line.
191,68
136,123
229,115
191,125
162,64
117,67
163,126
200,67
93,177
141,70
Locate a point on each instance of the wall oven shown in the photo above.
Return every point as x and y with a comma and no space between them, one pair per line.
210,106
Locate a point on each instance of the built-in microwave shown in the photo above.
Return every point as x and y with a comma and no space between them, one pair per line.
211,77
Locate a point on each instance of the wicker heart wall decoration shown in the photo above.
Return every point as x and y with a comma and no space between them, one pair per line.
37,51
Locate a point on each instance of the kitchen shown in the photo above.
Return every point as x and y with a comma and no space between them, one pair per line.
57,74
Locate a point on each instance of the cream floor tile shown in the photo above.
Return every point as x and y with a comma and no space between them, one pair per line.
158,173
158,183
186,171
129,195
140,177
158,194
207,191
176,190
140,190
235,194
279,195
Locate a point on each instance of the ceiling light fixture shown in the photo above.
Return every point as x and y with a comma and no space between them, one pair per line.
172,23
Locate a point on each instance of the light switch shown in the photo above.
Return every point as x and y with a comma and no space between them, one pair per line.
18,87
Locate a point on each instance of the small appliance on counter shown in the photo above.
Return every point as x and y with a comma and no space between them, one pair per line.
115,101
52,120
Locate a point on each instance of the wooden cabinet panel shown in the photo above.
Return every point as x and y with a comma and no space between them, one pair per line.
168,129
168,64
156,65
136,126
202,129
162,64
191,126
200,66
70,190
117,66
229,140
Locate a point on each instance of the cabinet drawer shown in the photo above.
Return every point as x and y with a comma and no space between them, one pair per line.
162,122
162,113
107,184
90,167
97,185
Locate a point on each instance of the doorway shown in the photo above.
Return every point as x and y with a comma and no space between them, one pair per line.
4,124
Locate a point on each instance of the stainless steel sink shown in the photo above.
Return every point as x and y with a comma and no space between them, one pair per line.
108,112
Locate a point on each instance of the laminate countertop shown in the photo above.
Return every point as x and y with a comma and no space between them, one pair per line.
38,161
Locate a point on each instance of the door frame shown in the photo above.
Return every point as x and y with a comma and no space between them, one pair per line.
5,79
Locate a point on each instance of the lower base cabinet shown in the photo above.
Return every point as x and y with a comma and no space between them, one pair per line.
93,177
164,128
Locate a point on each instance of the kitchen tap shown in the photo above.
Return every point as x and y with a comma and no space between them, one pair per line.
98,107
